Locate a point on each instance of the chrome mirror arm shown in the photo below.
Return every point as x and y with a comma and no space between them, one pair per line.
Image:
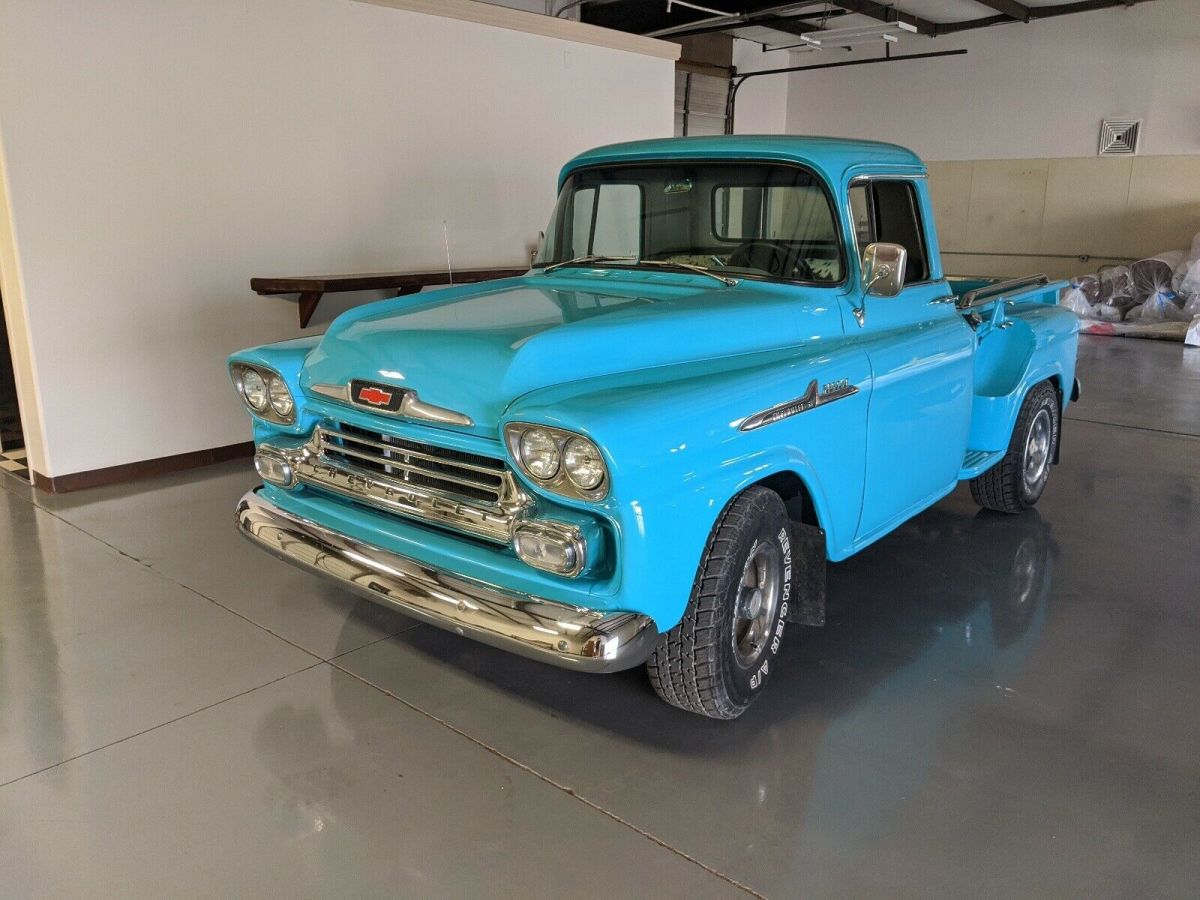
860,311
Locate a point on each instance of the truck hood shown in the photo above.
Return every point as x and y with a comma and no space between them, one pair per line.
476,349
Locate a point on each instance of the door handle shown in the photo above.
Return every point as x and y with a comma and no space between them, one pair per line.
950,299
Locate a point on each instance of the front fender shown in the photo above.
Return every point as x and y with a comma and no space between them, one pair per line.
287,358
677,455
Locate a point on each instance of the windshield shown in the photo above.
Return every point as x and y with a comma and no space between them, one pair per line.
756,219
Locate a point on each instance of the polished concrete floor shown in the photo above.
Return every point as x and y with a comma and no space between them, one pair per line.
998,707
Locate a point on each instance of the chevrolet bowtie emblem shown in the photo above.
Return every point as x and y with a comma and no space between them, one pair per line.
377,396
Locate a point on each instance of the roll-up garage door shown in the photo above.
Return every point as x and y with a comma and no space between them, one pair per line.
700,103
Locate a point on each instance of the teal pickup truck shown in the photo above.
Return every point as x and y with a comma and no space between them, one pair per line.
733,360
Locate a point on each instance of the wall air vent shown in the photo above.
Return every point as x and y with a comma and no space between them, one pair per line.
1119,137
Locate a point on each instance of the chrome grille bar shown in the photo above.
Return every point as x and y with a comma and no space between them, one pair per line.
450,472
495,467
462,491
403,463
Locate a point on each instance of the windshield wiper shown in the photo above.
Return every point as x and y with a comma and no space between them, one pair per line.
701,270
585,260
661,263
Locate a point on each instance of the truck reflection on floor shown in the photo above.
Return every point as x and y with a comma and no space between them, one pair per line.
983,583
925,629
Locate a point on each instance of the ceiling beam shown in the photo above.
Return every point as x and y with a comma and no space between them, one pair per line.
885,12
789,26
1010,8
1035,12
787,18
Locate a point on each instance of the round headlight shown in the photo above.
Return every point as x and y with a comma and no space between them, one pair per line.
539,453
280,397
254,389
581,458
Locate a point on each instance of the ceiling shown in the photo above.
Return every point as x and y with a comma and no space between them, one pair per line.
777,24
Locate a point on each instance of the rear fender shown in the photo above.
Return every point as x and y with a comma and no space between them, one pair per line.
1040,345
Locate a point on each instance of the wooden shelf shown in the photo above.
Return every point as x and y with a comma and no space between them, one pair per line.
311,288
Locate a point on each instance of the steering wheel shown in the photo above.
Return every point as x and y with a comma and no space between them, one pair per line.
772,257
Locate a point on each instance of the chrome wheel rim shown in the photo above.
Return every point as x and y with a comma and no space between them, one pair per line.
1036,460
757,600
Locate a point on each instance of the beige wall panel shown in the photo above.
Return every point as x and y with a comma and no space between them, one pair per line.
950,188
1015,266
1086,206
1007,201
1164,203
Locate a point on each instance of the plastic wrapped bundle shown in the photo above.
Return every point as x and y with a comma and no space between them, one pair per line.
1152,280
1186,281
1074,298
1116,292
1161,306
1090,285
1155,275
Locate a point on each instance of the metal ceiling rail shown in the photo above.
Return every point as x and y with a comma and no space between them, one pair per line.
742,77
795,17
1008,11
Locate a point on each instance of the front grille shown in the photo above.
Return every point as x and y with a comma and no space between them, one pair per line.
451,473
469,493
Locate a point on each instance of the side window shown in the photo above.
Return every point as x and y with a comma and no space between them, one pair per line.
888,211
600,220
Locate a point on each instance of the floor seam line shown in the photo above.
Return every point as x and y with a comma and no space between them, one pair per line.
187,587
386,637
1182,434
180,718
529,770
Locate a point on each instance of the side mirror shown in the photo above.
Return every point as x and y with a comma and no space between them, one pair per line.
883,268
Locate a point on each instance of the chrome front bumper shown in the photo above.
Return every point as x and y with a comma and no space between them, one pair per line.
568,636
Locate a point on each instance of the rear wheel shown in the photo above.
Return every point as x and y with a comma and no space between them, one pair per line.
1017,481
717,659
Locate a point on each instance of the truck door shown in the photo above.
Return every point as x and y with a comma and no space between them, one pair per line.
920,350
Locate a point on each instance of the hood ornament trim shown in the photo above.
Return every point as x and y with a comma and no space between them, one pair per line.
411,407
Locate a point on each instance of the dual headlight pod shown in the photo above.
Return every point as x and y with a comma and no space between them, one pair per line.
265,392
564,462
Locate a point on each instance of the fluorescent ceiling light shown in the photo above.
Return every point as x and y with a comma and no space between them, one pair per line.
845,37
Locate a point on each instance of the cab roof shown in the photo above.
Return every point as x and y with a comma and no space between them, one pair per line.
829,155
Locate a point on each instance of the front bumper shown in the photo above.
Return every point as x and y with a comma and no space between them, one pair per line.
564,635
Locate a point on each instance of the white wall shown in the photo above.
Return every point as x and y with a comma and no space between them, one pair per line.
1023,90
161,152
761,105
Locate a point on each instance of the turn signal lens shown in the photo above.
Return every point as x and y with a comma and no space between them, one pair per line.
550,547
274,469
581,459
540,454
254,389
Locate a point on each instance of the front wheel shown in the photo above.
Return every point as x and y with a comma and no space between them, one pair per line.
717,659
1017,481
